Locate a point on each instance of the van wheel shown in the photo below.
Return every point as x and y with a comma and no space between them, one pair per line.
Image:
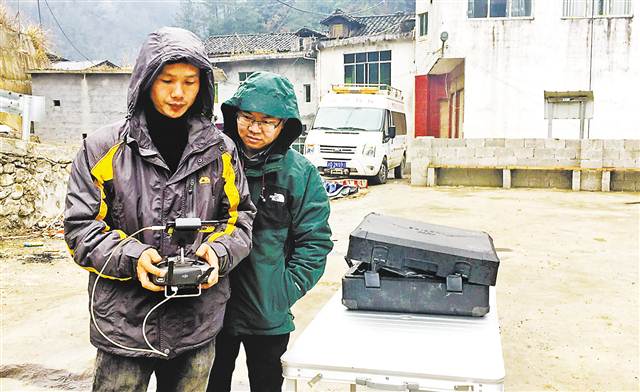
381,177
398,170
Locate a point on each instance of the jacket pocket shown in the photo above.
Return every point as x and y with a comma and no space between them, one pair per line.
273,209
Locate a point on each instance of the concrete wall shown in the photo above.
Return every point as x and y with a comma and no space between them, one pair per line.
509,63
33,184
546,156
299,71
87,102
626,181
330,68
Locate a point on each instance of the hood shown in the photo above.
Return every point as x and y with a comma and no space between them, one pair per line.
267,93
167,45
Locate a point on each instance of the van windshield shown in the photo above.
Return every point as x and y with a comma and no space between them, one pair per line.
357,119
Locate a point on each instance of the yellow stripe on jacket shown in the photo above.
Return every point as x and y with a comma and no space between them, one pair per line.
103,172
231,191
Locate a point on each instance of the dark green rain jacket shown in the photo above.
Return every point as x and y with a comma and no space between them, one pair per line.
291,234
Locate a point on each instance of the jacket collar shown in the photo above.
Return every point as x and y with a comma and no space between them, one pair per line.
202,135
273,163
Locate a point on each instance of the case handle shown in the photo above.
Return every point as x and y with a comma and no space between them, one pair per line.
405,386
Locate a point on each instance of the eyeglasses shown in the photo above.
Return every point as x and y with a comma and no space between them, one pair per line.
266,126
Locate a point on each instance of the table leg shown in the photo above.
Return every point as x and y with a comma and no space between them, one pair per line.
291,385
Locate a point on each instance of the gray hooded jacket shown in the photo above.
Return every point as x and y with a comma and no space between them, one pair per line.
119,184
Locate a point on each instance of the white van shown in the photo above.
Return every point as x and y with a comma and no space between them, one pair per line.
359,130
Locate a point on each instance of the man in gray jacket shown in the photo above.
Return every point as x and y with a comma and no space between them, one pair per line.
166,160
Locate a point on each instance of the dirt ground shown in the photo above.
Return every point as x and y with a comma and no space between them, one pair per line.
567,288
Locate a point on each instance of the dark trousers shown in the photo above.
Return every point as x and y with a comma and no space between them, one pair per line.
263,361
186,372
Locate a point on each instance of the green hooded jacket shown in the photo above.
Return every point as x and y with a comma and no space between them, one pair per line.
291,234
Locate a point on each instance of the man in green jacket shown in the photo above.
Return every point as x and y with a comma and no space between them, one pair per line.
291,234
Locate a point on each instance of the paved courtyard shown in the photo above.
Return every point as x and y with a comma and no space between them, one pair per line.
567,288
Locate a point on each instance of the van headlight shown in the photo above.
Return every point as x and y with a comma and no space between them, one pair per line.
309,149
369,150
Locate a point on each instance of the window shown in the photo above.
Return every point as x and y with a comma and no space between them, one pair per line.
215,93
307,93
339,31
242,76
56,102
587,8
368,67
498,8
424,23
350,118
400,123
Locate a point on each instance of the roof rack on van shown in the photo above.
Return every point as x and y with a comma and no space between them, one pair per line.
359,88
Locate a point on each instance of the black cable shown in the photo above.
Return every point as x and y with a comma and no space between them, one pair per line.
323,14
63,33
301,10
39,15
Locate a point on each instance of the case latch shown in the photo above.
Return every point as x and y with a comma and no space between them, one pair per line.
454,283
379,256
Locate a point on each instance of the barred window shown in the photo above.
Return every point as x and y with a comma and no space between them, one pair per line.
588,8
424,23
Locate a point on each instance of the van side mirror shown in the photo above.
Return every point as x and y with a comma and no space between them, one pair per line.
391,132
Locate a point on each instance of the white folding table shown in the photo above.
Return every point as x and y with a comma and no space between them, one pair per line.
397,351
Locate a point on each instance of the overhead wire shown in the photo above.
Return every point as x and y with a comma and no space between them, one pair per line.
368,8
325,14
301,10
62,30
39,16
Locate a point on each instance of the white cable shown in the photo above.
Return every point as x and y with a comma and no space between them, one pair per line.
93,291
144,322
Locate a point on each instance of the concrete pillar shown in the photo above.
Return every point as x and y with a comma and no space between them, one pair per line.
575,181
419,172
431,176
506,178
606,181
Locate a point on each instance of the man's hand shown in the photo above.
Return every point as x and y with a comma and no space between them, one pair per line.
205,252
145,266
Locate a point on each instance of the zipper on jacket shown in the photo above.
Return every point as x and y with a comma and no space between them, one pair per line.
189,202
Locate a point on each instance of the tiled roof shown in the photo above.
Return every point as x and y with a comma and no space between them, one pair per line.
220,45
80,65
382,24
266,43
339,14
309,32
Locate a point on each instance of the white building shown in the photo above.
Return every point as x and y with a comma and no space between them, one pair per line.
376,49
527,69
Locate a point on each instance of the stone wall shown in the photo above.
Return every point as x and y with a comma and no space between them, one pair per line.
33,184
538,163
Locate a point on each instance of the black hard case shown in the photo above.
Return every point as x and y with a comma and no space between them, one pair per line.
440,251
412,294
